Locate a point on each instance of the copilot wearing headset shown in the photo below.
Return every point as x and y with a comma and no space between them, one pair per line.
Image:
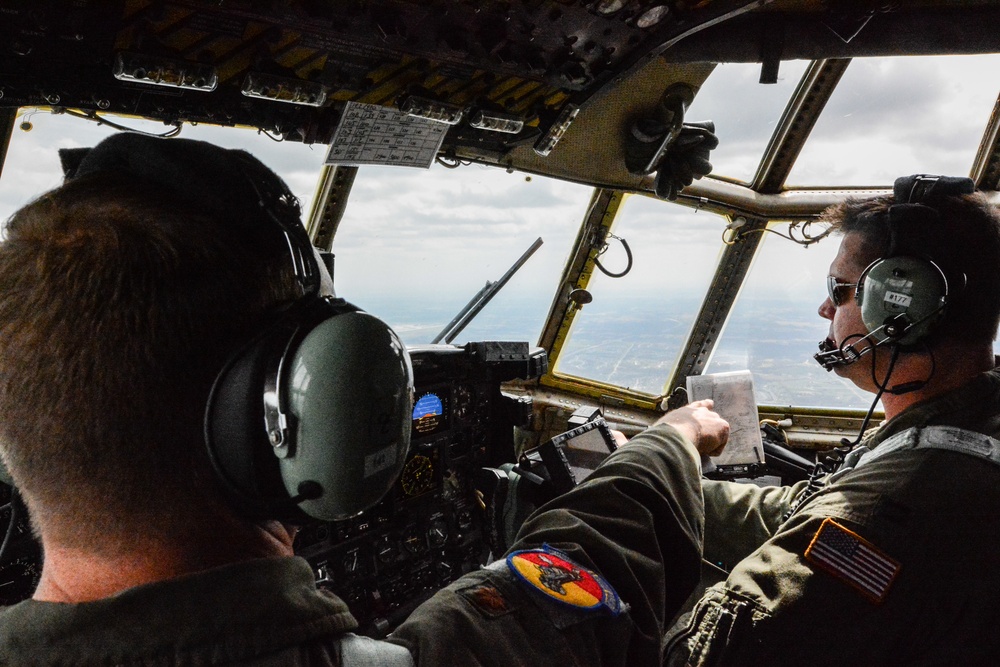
889,554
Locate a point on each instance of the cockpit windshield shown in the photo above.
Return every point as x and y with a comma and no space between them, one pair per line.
415,245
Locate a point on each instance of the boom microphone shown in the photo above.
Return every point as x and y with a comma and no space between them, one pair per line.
832,356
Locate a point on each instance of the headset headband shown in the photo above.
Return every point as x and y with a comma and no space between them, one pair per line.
914,219
226,184
925,188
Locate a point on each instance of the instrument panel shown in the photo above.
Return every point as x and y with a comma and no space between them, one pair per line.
21,567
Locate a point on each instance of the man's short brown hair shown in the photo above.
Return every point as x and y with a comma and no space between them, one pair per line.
118,306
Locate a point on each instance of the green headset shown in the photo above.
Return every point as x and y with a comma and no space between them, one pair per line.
311,418
904,294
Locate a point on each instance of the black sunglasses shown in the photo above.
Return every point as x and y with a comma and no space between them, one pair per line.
839,292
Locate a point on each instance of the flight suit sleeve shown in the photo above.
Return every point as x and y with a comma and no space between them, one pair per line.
636,523
741,517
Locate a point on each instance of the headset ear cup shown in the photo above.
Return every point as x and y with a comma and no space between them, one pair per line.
235,432
349,396
908,289
343,383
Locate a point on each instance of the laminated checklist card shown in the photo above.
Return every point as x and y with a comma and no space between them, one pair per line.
735,402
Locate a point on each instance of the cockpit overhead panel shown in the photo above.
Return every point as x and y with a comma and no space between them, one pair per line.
525,84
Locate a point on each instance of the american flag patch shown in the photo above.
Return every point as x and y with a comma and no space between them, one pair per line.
848,556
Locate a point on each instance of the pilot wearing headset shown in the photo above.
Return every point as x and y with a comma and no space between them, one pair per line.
889,554
178,391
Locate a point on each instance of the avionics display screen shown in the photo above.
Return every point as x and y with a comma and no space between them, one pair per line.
585,447
430,411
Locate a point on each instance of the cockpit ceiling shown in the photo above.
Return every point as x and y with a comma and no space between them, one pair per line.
288,67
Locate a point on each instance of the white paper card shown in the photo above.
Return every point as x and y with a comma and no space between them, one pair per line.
373,134
735,402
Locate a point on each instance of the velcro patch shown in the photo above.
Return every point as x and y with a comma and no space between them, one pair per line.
853,559
487,599
551,573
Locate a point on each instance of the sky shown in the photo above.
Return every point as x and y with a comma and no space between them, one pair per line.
416,244
888,117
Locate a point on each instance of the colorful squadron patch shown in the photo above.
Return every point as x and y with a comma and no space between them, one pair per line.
553,574
852,559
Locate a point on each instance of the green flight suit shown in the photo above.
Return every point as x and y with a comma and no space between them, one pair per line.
917,583
637,522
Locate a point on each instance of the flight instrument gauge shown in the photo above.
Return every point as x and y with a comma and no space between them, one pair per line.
417,476
428,413
18,580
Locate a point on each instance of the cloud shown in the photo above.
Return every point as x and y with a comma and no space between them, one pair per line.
745,112
442,234
32,165
889,116
896,116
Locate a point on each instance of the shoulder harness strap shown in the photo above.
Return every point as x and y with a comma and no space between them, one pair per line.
950,438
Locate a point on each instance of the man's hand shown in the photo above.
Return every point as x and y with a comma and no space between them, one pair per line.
701,425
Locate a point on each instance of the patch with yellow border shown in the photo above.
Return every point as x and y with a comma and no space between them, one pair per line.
551,573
